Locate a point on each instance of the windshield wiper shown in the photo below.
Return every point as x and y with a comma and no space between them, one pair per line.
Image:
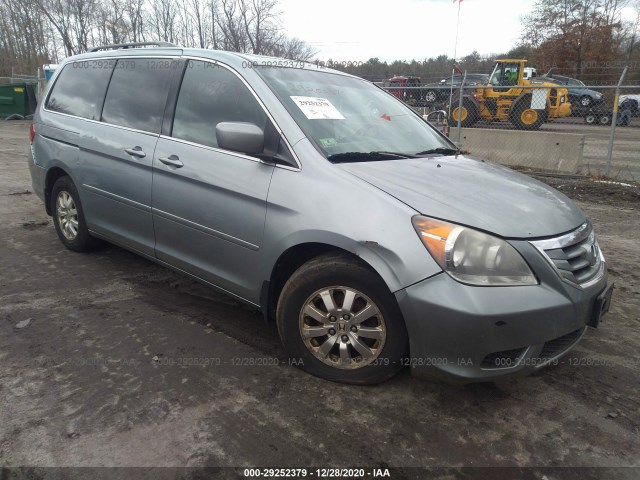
441,151
367,156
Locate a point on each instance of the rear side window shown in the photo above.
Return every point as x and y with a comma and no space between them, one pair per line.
137,93
80,88
211,94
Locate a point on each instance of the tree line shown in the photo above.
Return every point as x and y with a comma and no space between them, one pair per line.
587,39
35,32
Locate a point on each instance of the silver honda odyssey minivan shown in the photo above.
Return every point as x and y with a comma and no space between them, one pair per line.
323,201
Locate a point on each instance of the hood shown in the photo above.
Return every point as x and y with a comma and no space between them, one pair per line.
473,193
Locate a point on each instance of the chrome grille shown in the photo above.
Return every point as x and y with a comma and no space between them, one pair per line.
576,255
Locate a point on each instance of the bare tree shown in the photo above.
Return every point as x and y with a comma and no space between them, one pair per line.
259,22
59,14
33,32
162,18
576,31
198,9
293,48
230,25
134,10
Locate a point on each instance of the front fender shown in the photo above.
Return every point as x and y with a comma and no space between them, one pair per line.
383,260
326,204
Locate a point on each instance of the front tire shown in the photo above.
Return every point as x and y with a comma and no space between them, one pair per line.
430,97
468,115
68,217
338,321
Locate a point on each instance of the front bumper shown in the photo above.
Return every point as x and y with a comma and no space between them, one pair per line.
470,334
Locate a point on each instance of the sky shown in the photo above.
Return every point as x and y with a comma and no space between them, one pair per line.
356,30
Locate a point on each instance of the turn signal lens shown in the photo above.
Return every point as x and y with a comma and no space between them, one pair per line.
473,257
434,234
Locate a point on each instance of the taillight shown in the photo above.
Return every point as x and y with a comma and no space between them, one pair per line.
32,132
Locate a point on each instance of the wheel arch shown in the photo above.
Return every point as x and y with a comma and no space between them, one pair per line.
52,175
455,101
297,255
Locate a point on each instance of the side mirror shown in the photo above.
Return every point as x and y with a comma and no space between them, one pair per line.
240,137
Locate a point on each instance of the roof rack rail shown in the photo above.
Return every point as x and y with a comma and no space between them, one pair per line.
118,46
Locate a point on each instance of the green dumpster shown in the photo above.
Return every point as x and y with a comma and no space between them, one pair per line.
17,98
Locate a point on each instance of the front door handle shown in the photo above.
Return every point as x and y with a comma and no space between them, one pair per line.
172,161
135,152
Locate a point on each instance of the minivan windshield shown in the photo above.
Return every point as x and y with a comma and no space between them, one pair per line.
350,119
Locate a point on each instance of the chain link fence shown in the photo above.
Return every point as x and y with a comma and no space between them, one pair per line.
552,123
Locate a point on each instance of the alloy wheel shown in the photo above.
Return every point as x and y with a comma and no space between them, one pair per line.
67,215
342,327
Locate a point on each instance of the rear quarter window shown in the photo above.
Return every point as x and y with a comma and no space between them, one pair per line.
80,88
137,93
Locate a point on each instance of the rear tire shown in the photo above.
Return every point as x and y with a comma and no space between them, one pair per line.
68,217
338,320
524,117
604,120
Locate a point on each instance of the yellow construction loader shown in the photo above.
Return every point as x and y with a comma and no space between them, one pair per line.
509,97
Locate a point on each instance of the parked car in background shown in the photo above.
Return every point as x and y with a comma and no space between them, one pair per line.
397,86
440,91
581,97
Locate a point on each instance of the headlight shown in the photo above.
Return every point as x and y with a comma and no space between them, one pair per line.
563,99
473,257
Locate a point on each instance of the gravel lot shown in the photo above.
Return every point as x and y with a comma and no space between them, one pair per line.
102,372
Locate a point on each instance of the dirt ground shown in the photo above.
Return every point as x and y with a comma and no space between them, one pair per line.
110,368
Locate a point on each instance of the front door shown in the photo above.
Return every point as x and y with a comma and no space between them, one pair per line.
209,204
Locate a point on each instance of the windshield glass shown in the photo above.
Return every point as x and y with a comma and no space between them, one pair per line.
344,115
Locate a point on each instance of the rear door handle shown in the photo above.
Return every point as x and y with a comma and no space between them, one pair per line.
172,161
135,152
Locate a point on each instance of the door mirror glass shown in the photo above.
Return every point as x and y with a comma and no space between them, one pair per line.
240,137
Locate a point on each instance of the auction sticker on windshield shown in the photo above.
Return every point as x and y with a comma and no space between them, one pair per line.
317,108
